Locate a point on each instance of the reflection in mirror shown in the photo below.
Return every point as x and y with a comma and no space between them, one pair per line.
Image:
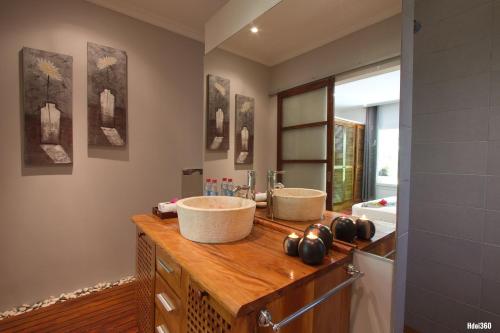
326,109
365,171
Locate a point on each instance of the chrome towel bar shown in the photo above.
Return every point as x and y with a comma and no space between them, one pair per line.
265,318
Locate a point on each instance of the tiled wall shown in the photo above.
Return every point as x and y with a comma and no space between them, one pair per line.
453,274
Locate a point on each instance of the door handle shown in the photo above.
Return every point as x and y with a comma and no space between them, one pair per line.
161,329
165,302
165,267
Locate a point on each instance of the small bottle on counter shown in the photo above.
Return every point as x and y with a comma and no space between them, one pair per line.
230,187
208,187
215,190
223,186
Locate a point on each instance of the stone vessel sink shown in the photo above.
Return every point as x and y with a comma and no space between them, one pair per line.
216,219
298,204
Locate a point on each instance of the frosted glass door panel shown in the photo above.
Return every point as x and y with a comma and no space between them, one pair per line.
305,108
305,175
305,144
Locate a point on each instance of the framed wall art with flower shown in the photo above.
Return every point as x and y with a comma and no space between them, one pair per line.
47,80
106,95
244,130
217,119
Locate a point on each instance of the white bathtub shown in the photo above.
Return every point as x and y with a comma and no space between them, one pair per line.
386,214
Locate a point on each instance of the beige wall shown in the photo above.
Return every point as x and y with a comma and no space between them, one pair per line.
66,228
367,46
250,79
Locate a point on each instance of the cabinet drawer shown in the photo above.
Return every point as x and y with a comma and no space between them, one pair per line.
168,269
168,306
160,323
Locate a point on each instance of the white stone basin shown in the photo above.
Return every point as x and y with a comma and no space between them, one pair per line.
215,219
299,204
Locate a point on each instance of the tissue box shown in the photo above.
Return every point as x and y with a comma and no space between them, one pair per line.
163,216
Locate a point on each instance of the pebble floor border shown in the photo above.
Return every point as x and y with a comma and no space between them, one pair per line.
24,308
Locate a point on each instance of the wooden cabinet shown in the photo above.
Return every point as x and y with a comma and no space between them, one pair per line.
168,302
187,287
196,311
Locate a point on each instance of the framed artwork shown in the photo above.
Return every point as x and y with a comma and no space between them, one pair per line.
244,130
106,95
217,126
47,83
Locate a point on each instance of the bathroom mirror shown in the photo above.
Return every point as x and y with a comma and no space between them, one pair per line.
323,78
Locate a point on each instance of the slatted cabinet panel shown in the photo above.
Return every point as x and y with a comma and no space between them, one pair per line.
145,270
203,316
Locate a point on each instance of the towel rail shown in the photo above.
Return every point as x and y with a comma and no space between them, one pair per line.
265,318
389,253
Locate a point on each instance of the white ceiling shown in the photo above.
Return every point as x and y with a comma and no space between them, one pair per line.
374,90
289,29
294,27
185,17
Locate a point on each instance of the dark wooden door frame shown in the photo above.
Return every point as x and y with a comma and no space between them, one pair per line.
329,83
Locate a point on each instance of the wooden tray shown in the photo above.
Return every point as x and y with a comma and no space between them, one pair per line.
163,216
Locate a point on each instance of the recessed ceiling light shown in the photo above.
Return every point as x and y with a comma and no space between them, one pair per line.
254,29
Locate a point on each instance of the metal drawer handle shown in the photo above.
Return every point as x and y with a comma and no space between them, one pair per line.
165,267
162,329
166,302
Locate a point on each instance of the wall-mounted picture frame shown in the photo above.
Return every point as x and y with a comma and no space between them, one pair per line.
47,88
244,130
217,118
106,95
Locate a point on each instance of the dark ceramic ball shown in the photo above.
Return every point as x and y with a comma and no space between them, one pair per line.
323,232
343,229
291,245
312,250
365,229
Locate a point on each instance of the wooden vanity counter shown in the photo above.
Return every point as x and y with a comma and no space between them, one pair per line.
241,278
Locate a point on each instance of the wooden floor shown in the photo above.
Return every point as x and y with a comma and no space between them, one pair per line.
110,310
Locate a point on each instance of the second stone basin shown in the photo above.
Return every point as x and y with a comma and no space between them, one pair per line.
298,204
215,219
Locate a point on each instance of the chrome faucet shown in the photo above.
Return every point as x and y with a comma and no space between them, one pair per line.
249,187
272,184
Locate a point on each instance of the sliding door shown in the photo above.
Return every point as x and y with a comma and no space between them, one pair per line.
305,136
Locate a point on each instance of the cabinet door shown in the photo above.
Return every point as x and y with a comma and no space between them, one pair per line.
204,315
145,273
